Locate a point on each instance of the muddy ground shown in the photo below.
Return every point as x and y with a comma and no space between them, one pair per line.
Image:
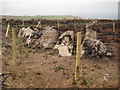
38,68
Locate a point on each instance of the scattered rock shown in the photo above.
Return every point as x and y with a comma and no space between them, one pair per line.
106,77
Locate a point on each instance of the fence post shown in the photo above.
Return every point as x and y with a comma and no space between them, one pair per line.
8,26
39,24
14,46
58,24
78,50
113,26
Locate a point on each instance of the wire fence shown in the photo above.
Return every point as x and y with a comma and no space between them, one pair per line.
112,37
113,41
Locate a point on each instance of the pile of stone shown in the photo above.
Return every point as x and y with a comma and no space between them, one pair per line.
93,47
49,38
29,34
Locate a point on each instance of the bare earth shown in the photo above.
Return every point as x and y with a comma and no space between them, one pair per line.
46,69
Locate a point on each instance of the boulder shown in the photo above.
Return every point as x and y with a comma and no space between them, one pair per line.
91,46
65,43
29,35
49,37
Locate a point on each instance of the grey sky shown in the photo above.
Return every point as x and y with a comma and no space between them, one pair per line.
84,9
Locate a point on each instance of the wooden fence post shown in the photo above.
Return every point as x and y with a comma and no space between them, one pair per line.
113,26
8,27
39,24
78,50
14,46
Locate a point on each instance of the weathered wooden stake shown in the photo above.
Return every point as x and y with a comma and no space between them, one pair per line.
58,24
113,26
39,24
8,27
14,46
78,50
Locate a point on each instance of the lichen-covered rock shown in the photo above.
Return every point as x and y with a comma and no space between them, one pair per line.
28,34
49,37
91,46
21,31
94,48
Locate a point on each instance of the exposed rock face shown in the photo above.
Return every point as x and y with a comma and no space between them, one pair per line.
49,37
94,48
65,43
26,32
37,33
91,46
90,34
29,34
21,31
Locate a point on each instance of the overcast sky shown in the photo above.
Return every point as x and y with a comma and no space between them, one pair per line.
81,8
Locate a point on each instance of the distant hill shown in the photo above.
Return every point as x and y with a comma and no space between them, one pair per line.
40,17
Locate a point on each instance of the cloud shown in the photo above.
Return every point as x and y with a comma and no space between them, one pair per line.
61,7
